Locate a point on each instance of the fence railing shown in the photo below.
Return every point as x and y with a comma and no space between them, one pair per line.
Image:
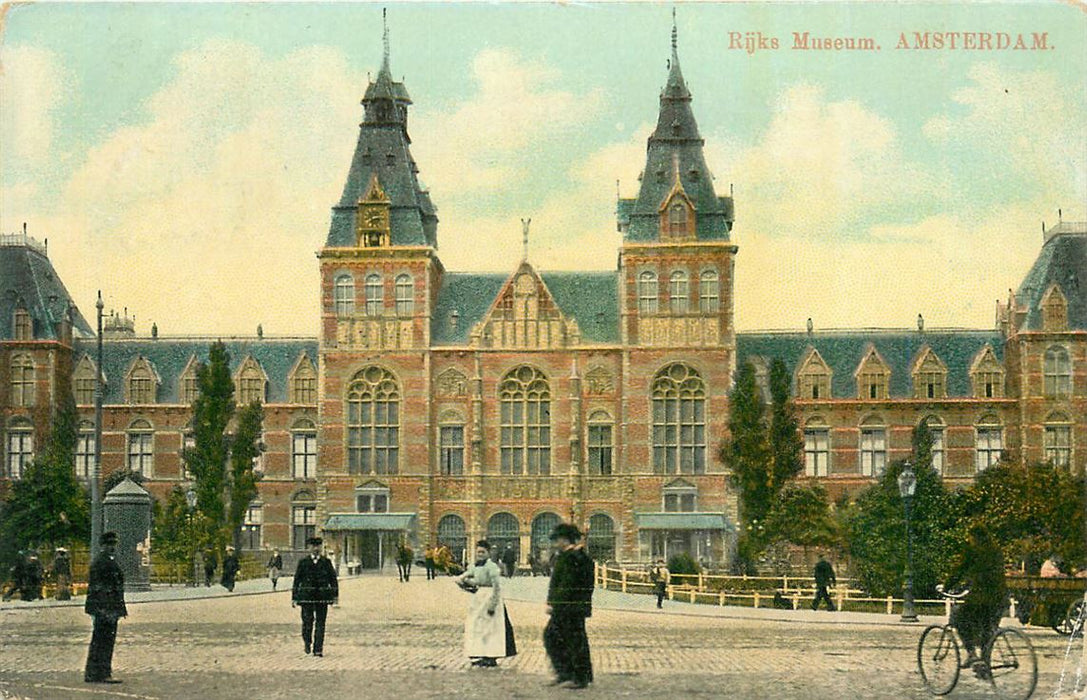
757,591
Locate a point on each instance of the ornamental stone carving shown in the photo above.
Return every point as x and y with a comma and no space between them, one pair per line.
451,382
599,381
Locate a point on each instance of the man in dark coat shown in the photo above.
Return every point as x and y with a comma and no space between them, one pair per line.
106,604
569,602
981,569
230,569
315,588
509,561
62,572
209,567
824,577
33,577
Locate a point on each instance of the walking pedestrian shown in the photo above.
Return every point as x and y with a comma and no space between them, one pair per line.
824,577
660,576
509,561
105,604
315,588
569,602
209,567
230,569
404,555
275,566
428,559
62,572
488,634
15,576
33,577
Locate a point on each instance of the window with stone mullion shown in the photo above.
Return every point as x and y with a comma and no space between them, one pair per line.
990,447
304,454
600,449
20,452
1058,373
84,454
140,452
1057,442
679,422
22,382
373,424
648,293
451,450
525,423
816,451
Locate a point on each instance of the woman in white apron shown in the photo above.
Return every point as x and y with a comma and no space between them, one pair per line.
488,633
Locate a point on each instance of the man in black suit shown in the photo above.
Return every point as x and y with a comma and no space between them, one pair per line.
569,602
230,569
824,577
315,587
106,604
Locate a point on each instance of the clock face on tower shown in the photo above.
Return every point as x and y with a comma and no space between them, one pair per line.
374,218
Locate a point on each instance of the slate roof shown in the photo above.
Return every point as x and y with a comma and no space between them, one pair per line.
844,350
591,298
28,279
170,356
1063,261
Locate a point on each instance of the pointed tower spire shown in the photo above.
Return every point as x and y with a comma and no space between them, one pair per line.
384,72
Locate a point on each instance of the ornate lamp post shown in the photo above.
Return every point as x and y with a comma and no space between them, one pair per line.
907,485
190,499
99,388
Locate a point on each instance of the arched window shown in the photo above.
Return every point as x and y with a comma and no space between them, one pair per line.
936,426
453,534
679,292
873,447
677,220
84,450
601,538
83,382
23,325
22,381
542,525
989,445
679,421
20,447
450,444
303,449
304,382
600,444
526,422
816,447
709,292
1058,373
344,295
303,518
373,422
141,383
1057,440
141,447
405,295
375,298
504,531
647,292
188,389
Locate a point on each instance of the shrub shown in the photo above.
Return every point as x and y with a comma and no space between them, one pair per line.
683,563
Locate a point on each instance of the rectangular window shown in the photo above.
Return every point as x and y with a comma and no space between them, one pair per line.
372,502
1058,444
708,294
451,452
873,451
647,293
303,525
84,390
305,390
254,517
139,390
679,436
678,293
990,446
84,455
937,449
600,447
680,502
375,298
405,300
304,455
817,452
22,384
20,452
188,444
141,454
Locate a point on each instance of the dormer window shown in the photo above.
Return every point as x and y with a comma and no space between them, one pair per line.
23,325
677,220
251,383
1054,310
142,383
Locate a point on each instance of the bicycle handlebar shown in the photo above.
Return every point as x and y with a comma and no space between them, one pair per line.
952,596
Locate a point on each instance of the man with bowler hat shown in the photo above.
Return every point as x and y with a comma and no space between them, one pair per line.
569,602
106,604
315,587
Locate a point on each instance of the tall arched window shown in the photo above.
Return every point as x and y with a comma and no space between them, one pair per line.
677,220
542,525
375,297
22,381
20,447
601,539
873,446
373,422
84,450
1057,440
600,444
1058,373
141,383
679,292
453,534
405,295
709,292
504,531
937,427
303,449
141,447
526,422
303,519
990,442
344,295
679,421
647,292
23,325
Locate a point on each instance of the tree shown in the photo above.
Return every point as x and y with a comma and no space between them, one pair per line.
801,516
246,448
747,454
786,445
48,507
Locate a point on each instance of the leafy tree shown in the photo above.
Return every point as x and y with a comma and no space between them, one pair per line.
786,444
801,516
246,448
747,454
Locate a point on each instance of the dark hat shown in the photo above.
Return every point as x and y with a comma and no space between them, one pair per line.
568,531
108,538
486,545
314,540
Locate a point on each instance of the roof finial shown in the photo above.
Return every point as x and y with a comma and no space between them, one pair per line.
524,236
384,41
675,37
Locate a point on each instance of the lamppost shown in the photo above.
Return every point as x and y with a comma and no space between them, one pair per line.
190,499
907,484
99,388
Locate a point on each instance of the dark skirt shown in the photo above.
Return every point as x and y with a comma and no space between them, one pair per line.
511,643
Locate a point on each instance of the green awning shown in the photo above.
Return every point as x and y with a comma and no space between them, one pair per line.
369,521
682,521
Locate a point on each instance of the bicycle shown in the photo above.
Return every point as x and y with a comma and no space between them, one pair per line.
1007,661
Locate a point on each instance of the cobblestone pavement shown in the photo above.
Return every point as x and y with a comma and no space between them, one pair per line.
404,640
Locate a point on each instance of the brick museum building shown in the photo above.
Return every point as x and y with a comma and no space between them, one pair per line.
448,406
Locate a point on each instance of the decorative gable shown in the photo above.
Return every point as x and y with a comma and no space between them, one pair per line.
987,374
451,383
929,375
250,382
186,382
873,375
525,315
302,380
141,382
677,211
813,376
1054,307
83,381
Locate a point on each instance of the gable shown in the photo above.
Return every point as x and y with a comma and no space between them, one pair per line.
927,361
813,363
524,315
873,363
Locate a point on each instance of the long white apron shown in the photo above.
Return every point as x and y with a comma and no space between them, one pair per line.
485,635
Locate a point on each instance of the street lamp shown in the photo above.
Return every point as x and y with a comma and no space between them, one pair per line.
907,485
99,389
190,499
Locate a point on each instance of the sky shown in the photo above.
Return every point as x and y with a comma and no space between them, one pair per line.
183,158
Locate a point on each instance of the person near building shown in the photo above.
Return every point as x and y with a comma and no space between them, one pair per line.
404,555
14,584
428,558
824,578
33,577
210,564
230,569
509,561
569,603
488,634
275,567
315,588
106,605
980,569
660,576
62,573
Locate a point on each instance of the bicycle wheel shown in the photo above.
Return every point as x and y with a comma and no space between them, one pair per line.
938,659
1013,667
1072,622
